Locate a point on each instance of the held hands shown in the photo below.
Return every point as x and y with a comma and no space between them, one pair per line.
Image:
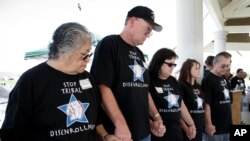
157,128
191,131
109,137
122,132
210,129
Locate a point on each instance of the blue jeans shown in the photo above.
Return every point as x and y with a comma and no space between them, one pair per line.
220,137
148,138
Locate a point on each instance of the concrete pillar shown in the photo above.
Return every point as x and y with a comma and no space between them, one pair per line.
220,38
189,17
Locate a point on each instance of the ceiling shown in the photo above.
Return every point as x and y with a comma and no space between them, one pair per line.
232,16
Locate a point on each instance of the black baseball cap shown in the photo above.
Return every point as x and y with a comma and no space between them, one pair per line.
146,14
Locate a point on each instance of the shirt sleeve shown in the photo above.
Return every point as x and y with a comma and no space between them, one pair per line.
233,83
103,66
207,87
18,117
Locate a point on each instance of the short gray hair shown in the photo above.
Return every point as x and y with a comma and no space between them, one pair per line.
68,37
222,54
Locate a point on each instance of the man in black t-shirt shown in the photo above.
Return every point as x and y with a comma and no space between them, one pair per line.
238,81
120,70
217,95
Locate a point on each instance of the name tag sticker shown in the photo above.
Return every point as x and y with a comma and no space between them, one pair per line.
159,90
85,84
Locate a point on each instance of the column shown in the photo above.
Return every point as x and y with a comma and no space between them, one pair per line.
220,38
189,15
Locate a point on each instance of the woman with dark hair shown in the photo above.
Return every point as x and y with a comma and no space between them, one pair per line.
193,96
167,96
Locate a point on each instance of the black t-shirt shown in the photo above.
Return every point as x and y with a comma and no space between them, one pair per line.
167,98
194,99
217,95
121,67
239,82
205,72
47,105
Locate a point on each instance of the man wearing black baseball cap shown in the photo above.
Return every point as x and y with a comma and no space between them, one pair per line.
146,14
120,71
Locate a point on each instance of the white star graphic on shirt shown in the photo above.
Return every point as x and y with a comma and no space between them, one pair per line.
199,102
138,71
172,100
75,111
226,93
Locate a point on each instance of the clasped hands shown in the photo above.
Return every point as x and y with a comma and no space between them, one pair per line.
210,129
157,128
191,131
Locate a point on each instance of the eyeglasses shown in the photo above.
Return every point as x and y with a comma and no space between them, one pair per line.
225,66
86,56
148,30
170,64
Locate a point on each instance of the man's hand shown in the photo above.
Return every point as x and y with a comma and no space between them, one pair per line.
191,132
110,137
122,132
157,128
210,129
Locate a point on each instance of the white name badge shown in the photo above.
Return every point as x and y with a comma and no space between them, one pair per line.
145,65
85,84
159,90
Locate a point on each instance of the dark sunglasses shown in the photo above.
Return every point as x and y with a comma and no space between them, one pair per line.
86,56
170,64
